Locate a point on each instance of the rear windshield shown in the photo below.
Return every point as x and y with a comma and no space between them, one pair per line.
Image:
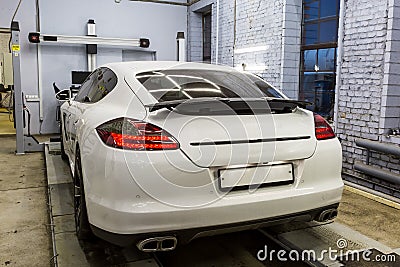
267,89
169,85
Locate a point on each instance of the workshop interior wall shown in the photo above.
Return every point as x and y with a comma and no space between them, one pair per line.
158,22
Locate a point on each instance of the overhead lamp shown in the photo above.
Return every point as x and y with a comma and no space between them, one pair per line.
251,49
246,67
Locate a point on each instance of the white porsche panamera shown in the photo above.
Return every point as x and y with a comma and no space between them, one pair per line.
164,152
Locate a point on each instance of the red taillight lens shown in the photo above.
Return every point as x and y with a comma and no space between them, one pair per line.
135,135
322,129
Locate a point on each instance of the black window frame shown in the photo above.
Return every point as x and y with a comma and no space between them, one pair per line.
316,46
206,39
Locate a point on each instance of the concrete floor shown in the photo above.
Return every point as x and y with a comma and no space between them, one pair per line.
6,126
371,218
24,232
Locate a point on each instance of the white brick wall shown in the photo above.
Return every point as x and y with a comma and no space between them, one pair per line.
390,111
259,23
291,41
195,38
369,94
369,99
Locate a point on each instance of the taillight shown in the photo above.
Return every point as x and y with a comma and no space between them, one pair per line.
322,129
135,135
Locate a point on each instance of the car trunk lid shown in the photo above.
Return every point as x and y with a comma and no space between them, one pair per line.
232,139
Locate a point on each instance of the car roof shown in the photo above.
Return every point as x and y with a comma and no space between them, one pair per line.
143,66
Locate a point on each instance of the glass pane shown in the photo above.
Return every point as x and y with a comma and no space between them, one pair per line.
266,88
310,10
207,37
326,59
328,8
310,33
328,31
106,81
86,86
307,88
319,88
180,84
310,59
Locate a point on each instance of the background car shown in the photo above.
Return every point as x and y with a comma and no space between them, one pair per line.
164,152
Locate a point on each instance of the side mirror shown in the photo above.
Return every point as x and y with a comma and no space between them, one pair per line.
64,95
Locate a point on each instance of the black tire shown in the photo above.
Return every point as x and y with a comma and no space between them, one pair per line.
63,155
82,226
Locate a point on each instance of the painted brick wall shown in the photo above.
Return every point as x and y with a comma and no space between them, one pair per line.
256,23
259,23
369,95
291,41
365,72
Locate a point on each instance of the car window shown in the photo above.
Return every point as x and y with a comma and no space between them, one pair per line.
168,85
85,87
105,83
98,85
264,86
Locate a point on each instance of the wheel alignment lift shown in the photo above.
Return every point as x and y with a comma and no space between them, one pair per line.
24,143
27,143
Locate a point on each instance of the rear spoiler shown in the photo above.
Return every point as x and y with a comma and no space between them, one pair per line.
278,104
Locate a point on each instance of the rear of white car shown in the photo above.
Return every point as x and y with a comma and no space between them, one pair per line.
160,166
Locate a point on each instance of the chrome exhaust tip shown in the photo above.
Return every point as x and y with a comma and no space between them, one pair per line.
327,215
155,244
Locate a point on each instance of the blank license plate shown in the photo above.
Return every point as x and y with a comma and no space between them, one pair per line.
257,175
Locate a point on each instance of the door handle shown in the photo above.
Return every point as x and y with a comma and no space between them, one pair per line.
76,122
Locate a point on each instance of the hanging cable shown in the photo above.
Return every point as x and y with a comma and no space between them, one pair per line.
12,19
16,10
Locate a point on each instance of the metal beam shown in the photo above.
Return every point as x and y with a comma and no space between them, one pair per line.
377,172
142,42
378,146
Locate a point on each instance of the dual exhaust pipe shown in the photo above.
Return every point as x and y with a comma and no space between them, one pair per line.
327,215
168,243
156,244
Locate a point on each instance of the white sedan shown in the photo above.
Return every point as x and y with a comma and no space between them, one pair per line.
165,152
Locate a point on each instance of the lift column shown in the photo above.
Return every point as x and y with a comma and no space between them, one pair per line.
91,49
18,105
181,46
24,143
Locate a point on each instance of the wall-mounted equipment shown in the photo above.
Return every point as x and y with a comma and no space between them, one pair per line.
91,41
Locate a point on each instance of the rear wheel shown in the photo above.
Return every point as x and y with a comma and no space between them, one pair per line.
82,226
63,155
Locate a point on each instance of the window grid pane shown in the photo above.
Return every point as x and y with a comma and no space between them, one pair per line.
318,58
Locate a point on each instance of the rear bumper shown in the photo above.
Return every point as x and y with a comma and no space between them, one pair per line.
187,235
136,217
130,196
